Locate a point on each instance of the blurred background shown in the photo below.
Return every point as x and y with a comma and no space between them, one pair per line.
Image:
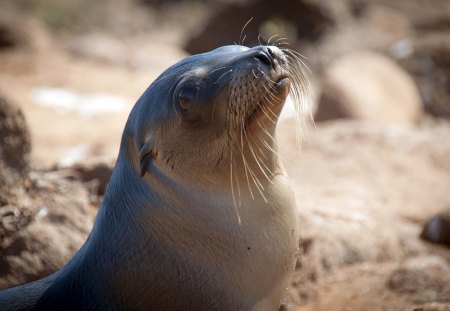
372,178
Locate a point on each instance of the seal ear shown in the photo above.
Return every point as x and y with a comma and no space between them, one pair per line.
145,156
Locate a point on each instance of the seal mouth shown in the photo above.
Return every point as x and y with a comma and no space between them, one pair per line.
282,82
270,105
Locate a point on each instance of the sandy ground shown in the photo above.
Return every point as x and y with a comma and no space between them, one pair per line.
56,132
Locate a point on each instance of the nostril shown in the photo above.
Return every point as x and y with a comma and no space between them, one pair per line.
271,53
264,58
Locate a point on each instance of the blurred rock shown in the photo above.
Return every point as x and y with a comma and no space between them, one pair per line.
363,191
330,241
19,31
96,174
429,64
428,57
14,218
423,16
392,23
60,227
15,143
100,47
306,20
113,50
15,210
427,275
433,306
437,229
368,86
10,37
365,287
44,218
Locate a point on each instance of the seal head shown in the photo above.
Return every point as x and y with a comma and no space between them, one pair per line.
219,99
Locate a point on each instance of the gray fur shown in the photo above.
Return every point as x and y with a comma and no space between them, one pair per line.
171,233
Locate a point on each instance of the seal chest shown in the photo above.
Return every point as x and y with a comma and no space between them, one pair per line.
199,214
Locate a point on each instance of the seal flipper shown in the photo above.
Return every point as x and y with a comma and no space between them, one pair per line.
145,156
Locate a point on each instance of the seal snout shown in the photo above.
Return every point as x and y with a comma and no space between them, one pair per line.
265,57
275,59
270,56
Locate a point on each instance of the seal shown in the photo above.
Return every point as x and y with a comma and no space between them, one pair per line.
198,214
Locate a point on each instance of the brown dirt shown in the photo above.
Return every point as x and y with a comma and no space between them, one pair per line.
364,192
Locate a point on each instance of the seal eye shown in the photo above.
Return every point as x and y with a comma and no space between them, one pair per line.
186,97
184,102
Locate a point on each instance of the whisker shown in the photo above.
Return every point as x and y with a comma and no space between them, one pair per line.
242,31
256,158
259,39
263,109
222,75
268,41
280,39
245,167
255,149
254,74
232,188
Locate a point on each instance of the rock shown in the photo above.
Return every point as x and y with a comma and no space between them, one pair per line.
13,32
9,36
363,190
14,218
306,19
363,287
16,211
20,31
370,87
15,143
433,306
369,167
423,17
437,229
100,47
44,217
97,174
427,275
429,63
114,50
59,228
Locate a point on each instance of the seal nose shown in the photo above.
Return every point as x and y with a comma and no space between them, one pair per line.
265,55
269,55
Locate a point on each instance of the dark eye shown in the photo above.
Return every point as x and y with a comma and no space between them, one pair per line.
187,96
184,102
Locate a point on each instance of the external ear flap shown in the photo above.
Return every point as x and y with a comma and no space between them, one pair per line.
145,156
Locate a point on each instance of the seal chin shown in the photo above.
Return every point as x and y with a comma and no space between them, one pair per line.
282,85
271,107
